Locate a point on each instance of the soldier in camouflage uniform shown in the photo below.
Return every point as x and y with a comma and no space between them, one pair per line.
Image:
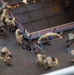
5,14
19,36
40,59
10,22
49,62
5,56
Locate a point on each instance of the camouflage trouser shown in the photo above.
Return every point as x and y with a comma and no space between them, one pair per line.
19,42
6,60
19,39
11,28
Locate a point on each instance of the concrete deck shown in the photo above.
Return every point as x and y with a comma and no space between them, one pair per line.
23,62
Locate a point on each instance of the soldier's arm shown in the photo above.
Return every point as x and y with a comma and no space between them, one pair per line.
59,36
8,51
39,39
56,61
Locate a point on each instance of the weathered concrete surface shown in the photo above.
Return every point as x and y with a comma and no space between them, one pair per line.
23,60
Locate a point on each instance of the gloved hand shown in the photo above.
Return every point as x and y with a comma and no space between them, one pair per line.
10,55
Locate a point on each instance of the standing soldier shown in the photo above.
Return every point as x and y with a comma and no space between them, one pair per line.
10,22
5,14
70,38
19,36
40,59
49,36
49,62
5,56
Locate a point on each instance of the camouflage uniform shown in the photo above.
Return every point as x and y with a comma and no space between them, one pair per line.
40,59
49,63
19,36
5,15
50,34
5,56
10,22
71,37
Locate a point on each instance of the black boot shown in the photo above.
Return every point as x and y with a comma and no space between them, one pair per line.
8,64
23,47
